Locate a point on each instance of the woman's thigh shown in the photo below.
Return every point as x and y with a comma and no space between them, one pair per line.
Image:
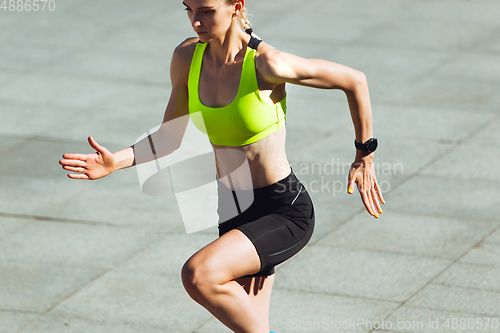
230,256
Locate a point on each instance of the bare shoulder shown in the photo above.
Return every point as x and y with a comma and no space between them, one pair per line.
271,63
266,57
186,48
181,59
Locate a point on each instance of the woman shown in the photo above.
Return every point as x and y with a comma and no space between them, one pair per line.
237,85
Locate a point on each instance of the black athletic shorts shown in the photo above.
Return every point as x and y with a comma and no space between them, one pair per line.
279,221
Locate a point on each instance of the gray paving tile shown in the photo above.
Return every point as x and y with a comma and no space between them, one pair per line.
322,27
13,321
312,120
44,262
120,204
120,128
110,15
410,234
48,23
150,37
443,197
470,65
52,244
432,123
138,293
336,9
480,12
491,44
317,111
21,195
397,160
64,91
467,162
11,225
389,62
11,19
169,255
310,144
32,179
212,325
26,57
394,161
485,253
494,238
428,320
51,324
451,36
457,299
36,287
290,310
8,144
475,94
402,151
329,214
384,276
471,276
47,191
159,264
120,124
24,120
6,77
116,64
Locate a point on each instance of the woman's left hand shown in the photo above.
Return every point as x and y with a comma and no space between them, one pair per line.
362,173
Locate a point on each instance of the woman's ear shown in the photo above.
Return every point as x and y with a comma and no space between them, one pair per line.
238,7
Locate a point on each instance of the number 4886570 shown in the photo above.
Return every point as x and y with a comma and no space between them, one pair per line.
28,5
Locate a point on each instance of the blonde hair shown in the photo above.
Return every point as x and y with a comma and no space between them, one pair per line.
243,16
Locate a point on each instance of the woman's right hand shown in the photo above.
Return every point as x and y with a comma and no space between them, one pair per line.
89,166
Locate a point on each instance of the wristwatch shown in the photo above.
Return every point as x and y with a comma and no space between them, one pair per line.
369,146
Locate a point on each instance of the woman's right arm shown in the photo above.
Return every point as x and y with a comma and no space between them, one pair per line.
164,141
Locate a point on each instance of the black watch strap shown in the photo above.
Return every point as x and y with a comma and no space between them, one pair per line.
369,146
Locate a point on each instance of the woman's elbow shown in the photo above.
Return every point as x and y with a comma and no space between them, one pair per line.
359,80
355,83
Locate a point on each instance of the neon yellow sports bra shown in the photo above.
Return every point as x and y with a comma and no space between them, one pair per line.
247,119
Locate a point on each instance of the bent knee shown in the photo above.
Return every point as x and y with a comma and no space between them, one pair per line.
200,277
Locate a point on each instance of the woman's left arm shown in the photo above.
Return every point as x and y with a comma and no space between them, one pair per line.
278,67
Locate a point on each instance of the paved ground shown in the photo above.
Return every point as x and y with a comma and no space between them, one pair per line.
102,256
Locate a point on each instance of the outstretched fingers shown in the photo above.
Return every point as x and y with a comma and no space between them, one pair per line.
100,149
366,201
80,157
351,180
78,176
365,191
375,201
363,175
71,163
379,193
73,169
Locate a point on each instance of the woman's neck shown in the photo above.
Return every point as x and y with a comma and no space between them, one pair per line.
227,49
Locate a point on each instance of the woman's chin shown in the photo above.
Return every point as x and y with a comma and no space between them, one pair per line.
204,37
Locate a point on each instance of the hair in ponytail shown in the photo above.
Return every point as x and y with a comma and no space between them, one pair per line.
244,22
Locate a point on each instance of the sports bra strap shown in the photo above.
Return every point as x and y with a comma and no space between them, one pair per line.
254,42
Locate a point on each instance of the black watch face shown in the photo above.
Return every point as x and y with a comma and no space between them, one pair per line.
372,145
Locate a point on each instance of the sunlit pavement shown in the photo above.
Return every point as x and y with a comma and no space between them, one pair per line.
79,256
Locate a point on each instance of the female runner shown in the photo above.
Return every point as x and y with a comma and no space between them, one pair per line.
237,83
